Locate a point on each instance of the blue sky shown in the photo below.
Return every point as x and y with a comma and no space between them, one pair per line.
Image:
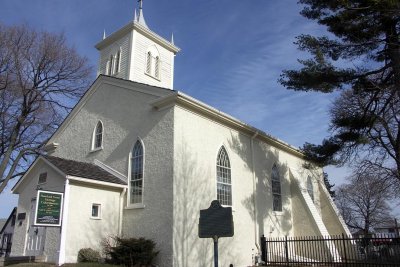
232,53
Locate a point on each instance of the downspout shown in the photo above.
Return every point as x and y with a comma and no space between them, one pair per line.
121,210
64,224
254,192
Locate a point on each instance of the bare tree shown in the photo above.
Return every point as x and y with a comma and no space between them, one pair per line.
363,202
41,77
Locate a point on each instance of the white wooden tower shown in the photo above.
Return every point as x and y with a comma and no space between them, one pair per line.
136,53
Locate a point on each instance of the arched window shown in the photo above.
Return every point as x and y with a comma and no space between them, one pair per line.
310,188
117,61
136,183
157,67
276,189
224,187
98,136
110,65
148,63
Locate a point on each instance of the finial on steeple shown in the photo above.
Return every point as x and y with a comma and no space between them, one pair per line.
104,34
141,17
135,18
172,38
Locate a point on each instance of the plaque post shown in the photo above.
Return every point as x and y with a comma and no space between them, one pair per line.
215,251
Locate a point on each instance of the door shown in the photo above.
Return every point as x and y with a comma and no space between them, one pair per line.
36,235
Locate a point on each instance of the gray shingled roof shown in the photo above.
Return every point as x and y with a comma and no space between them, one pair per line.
83,170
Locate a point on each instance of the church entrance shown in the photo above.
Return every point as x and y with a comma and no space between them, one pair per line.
36,235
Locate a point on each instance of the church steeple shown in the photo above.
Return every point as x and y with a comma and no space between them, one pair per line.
136,53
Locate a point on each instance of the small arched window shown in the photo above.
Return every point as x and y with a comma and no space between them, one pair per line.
98,136
117,61
110,65
276,189
310,188
157,67
224,184
136,182
148,63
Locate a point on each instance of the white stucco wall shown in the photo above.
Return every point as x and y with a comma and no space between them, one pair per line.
126,116
197,140
27,192
83,231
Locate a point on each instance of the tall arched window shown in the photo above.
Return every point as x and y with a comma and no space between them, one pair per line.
136,183
157,67
148,63
98,136
224,186
310,188
117,61
276,189
110,66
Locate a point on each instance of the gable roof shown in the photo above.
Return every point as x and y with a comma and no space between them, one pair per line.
158,92
83,170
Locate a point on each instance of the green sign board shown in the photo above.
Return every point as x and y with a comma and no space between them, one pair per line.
48,208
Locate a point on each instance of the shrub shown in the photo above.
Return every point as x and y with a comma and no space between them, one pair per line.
88,255
131,251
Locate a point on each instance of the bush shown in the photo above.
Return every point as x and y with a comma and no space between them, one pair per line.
131,251
88,255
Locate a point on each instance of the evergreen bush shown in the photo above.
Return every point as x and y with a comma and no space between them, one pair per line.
131,251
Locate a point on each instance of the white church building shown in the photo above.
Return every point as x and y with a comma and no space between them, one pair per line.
136,158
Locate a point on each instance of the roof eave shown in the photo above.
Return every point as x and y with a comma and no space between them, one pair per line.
184,100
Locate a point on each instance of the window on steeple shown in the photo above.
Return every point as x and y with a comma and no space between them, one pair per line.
157,67
148,63
110,65
117,61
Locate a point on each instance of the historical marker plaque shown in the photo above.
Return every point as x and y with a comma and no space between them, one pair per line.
48,208
216,221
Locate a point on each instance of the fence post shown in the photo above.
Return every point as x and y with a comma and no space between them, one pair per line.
263,249
286,250
344,248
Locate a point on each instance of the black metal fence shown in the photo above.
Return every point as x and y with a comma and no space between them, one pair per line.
331,251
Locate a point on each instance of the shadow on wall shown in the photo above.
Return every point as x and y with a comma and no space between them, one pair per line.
193,191
260,159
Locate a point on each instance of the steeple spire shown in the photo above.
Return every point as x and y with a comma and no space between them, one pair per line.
140,18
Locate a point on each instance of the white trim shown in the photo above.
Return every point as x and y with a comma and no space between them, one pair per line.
112,81
135,206
254,198
99,211
216,174
132,27
121,210
40,158
64,224
93,147
200,108
91,181
276,212
141,205
110,170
